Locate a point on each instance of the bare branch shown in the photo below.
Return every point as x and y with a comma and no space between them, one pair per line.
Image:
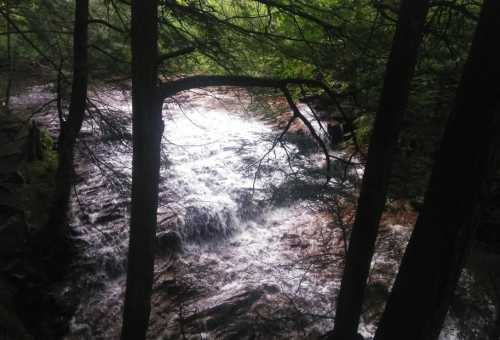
307,123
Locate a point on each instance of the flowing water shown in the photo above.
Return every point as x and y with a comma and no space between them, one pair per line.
258,254
241,211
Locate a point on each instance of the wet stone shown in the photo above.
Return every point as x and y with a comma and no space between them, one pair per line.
234,317
289,236
168,242
108,218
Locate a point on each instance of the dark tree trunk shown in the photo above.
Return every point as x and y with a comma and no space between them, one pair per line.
384,138
10,60
431,267
57,225
147,133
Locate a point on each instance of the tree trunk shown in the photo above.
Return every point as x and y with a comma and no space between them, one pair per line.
57,225
147,133
433,261
10,60
383,142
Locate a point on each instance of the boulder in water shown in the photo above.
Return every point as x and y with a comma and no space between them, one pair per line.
168,242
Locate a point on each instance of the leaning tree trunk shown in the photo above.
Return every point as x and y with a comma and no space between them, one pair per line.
383,143
147,132
57,225
431,266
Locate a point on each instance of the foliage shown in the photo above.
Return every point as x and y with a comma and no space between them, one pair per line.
363,126
342,42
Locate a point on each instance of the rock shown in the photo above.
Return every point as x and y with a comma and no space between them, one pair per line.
289,236
168,242
336,132
326,108
376,295
320,104
172,288
81,331
103,219
233,318
13,235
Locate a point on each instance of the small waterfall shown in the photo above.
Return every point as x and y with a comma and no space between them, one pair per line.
203,223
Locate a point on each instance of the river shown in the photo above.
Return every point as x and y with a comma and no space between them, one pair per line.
258,250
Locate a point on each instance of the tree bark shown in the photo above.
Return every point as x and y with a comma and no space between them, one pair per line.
383,142
147,133
57,225
434,258
10,60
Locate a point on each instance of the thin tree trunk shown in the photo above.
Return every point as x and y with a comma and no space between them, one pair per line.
434,258
10,60
147,133
57,225
383,143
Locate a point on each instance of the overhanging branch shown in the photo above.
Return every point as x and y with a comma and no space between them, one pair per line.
171,88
